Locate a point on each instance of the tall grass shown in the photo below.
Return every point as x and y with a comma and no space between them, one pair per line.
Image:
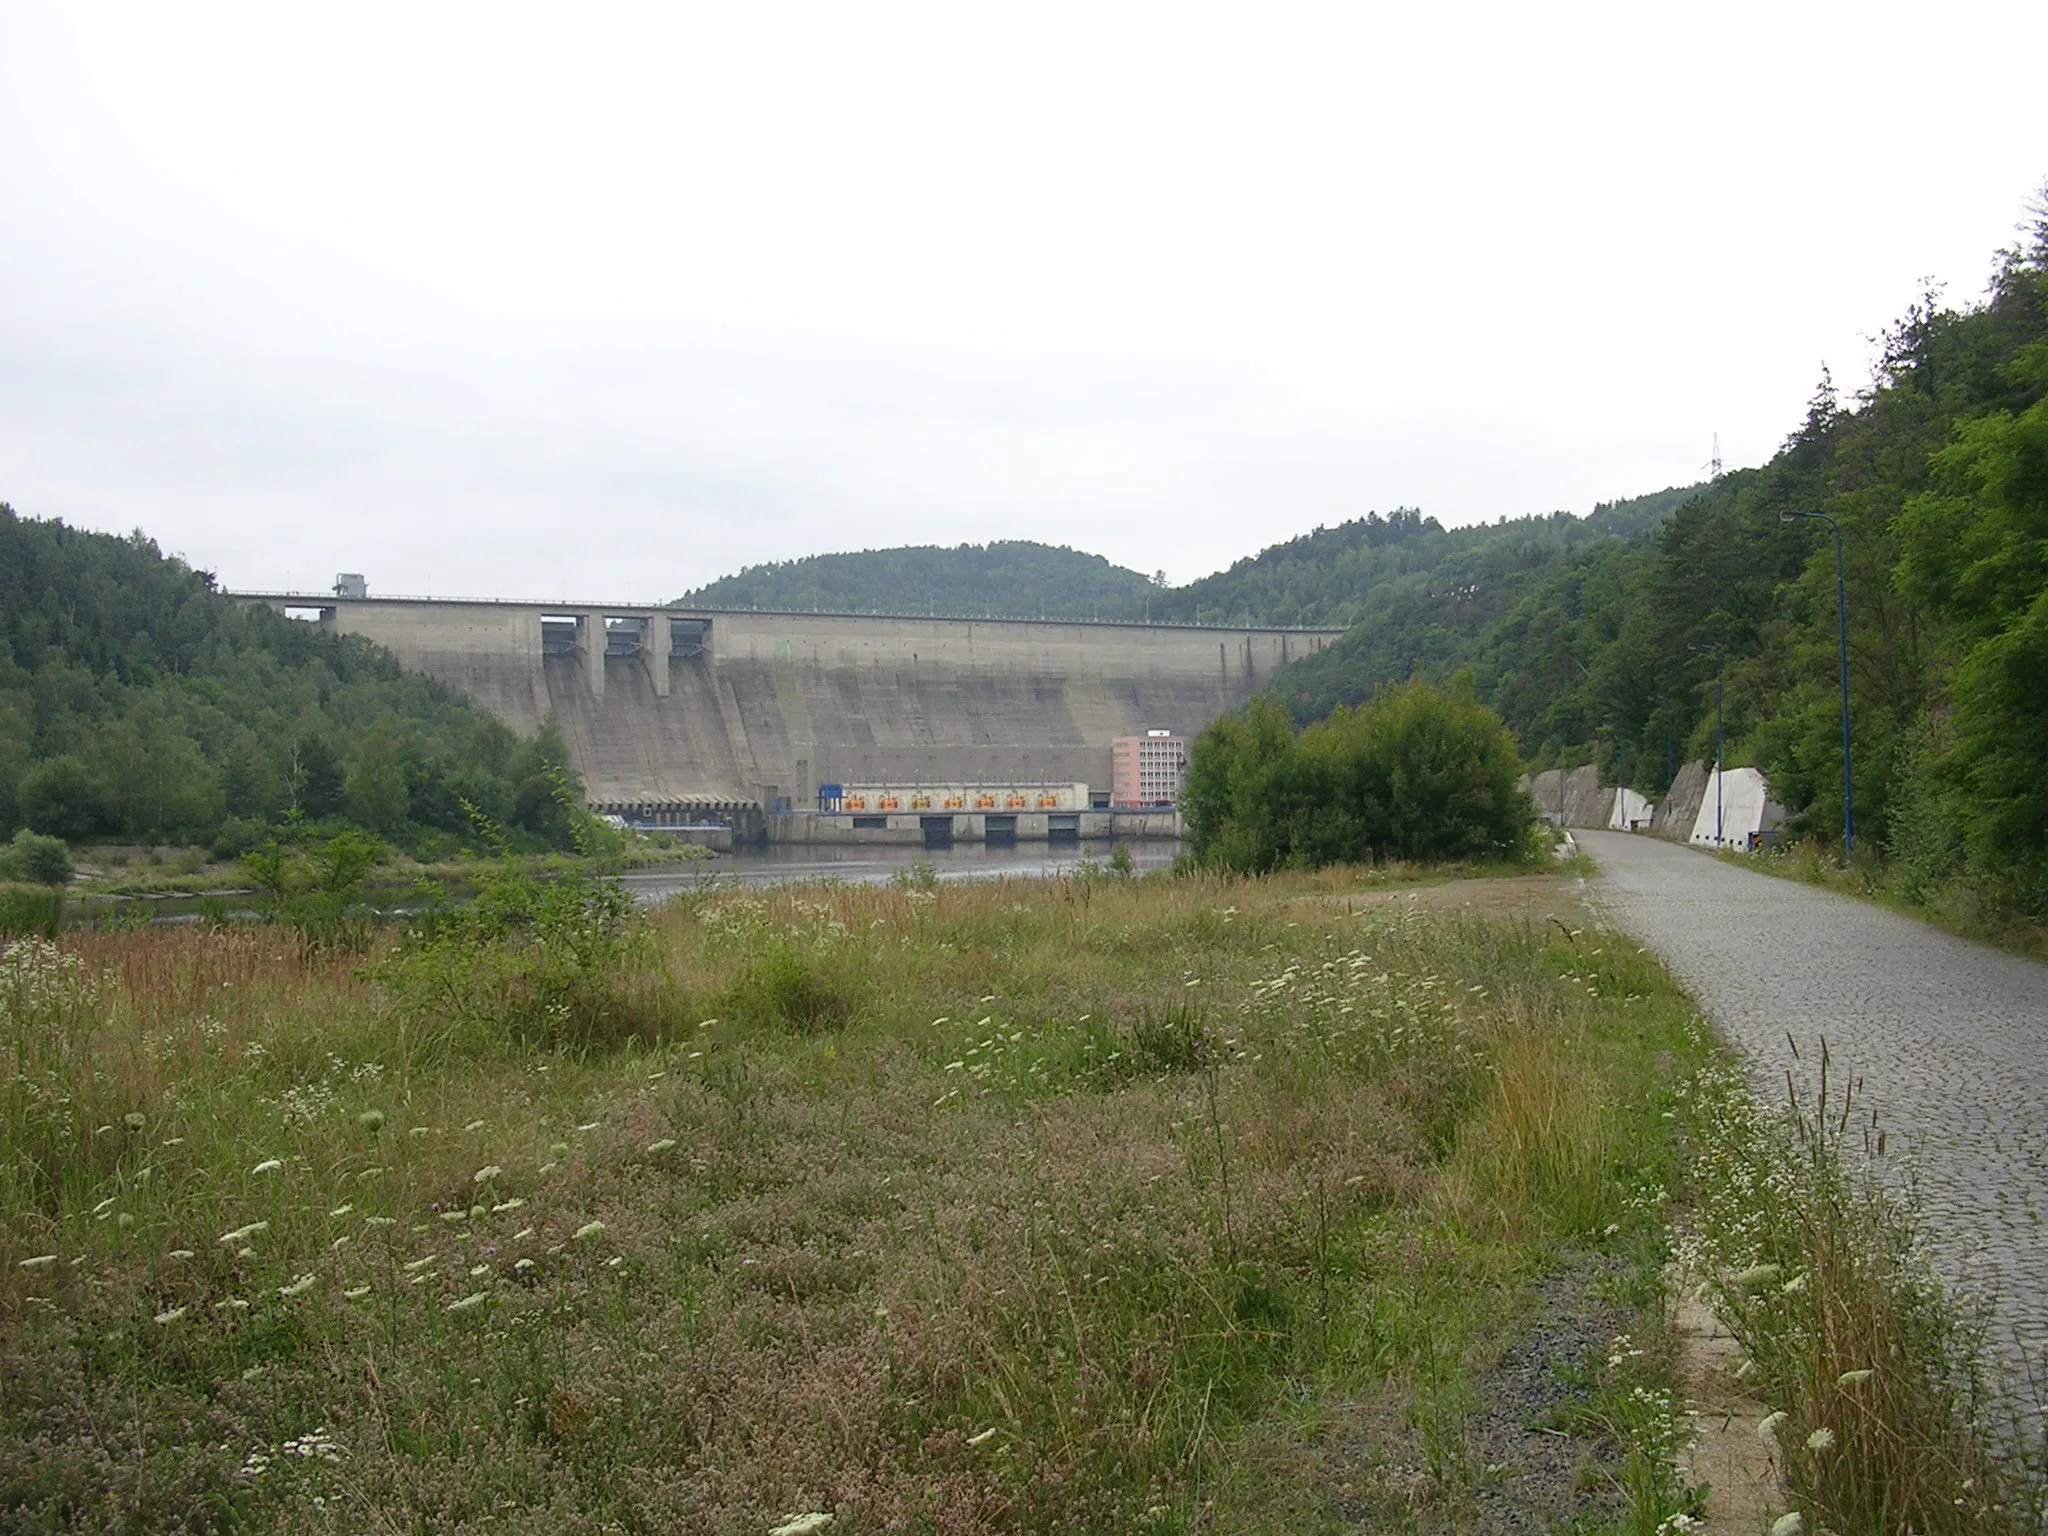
1020,1206
1883,1415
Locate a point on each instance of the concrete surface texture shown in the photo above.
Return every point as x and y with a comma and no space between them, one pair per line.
1735,806
1587,801
1945,1040
1631,811
776,702
1679,813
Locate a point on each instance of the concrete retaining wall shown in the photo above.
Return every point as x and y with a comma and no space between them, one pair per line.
777,702
1587,802
1686,814
1680,809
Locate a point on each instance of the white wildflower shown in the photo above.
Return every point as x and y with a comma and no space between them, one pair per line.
243,1234
173,1315
268,1165
1788,1525
473,1300
662,1145
1767,1428
298,1287
1822,1439
802,1525
588,1229
1853,1378
40,1261
485,1174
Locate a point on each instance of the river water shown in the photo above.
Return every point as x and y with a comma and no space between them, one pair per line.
782,863
775,864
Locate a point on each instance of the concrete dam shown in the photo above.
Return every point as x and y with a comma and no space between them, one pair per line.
723,709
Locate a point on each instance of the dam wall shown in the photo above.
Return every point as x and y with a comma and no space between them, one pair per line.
682,705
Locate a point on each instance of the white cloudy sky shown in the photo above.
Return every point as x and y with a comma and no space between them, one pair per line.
609,300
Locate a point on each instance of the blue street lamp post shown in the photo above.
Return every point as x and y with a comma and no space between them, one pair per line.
1842,633
1720,677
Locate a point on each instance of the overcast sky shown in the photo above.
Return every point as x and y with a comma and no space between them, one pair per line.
608,301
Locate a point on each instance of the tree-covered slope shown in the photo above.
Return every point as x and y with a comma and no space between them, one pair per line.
1010,579
137,702
1607,646
1342,575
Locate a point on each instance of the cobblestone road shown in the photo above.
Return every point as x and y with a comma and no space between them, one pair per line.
1949,1038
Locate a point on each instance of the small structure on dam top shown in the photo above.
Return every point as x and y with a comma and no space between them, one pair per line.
672,716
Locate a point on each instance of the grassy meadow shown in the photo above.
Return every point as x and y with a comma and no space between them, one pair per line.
1152,1205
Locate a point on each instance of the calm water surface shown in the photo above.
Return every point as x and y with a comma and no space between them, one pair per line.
779,863
776,864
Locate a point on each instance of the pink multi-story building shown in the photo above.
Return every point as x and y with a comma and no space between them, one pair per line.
1148,769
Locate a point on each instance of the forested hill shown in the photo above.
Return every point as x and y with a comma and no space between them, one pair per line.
137,702
1340,575
1938,478
1010,579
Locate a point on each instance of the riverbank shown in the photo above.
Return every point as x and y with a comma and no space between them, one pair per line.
191,872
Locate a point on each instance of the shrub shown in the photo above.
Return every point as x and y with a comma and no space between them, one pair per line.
531,962
39,859
788,987
238,837
1418,773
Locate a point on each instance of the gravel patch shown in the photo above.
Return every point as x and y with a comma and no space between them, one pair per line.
1527,1467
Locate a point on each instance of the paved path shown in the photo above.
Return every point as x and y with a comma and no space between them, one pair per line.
1950,1039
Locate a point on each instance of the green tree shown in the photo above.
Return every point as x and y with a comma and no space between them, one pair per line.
135,700
1975,548
1416,773
42,860
376,793
63,797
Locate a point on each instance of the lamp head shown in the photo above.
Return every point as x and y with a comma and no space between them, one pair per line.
1789,516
